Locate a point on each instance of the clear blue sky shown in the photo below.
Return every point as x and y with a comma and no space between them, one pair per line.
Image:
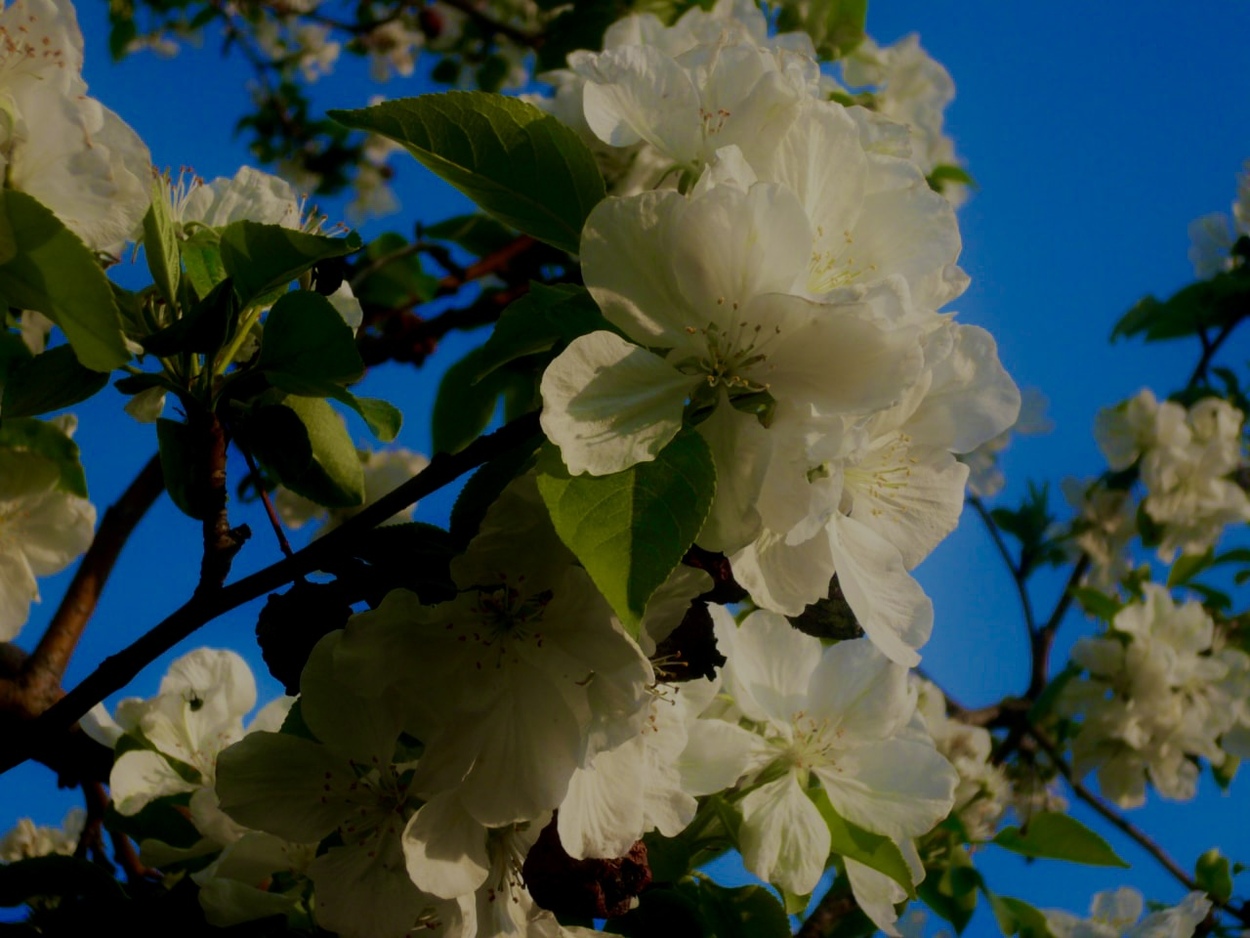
1096,132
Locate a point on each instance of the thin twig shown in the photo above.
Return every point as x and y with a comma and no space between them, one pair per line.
116,671
1044,638
274,521
489,24
991,525
1108,812
1209,348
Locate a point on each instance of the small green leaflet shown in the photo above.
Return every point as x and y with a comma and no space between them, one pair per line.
516,162
1054,836
54,273
1018,918
631,529
546,318
160,245
306,344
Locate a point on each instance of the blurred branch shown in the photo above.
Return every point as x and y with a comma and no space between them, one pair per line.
1026,605
834,906
116,671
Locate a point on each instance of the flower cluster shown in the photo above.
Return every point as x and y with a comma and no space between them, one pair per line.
28,840
1158,692
784,302
1116,914
1187,459
1212,237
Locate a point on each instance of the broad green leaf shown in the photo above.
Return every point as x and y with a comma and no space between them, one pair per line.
1208,304
464,406
306,344
517,163
49,382
742,912
13,354
484,486
335,477
631,529
873,850
183,459
160,245
203,329
951,891
264,258
54,273
1018,918
49,441
201,255
382,418
1213,876
545,319
1188,566
477,234
276,436
1055,836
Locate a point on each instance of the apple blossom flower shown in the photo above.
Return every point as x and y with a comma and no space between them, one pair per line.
28,840
1115,914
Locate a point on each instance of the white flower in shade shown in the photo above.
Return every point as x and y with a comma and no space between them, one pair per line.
637,787
877,895
198,711
57,144
1105,526
1211,237
911,87
1152,700
511,686
838,717
28,840
250,195
304,790
710,280
1127,430
707,82
1115,914
42,530
238,886
385,470
878,508
985,477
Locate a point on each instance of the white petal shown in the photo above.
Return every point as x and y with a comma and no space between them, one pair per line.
784,839
609,405
141,776
366,893
898,787
782,577
445,849
770,664
864,693
602,814
350,725
717,755
876,895
888,603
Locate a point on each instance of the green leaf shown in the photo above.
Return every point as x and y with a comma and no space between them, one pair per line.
54,273
160,245
946,173
742,912
13,354
478,234
1213,876
1097,604
381,417
49,441
1188,566
951,891
203,329
464,405
873,850
545,319
1209,304
334,478
836,26
264,258
201,254
1055,836
182,460
1018,918
517,163
399,281
484,486
631,529
276,436
306,344
49,382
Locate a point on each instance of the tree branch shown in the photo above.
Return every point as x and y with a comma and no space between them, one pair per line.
1044,638
116,671
1109,813
834,906
1026,605
221,542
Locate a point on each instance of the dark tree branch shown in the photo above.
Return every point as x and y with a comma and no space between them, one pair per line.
116,671
1026,604
834,906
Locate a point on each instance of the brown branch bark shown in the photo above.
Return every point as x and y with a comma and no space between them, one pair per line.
836,904
116,671
221,542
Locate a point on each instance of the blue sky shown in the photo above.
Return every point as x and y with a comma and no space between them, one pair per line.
1096,133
